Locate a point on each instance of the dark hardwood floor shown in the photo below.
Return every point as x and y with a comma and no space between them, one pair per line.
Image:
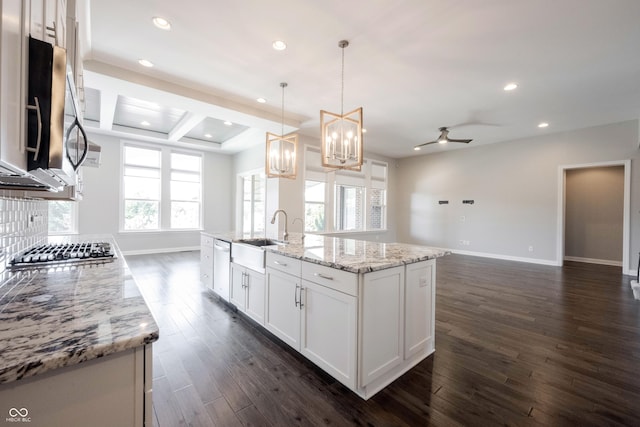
516,344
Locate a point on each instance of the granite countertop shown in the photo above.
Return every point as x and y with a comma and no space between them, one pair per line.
356,256
56,317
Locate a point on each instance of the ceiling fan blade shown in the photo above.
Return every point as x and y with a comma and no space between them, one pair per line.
426,143
464,141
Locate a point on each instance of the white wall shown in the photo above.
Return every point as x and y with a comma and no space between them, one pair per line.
99,209
515,188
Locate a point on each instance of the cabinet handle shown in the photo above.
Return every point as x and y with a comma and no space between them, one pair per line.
322,276
295,295
39,137
300,302
280,263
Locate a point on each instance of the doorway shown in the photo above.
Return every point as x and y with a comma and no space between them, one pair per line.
593,213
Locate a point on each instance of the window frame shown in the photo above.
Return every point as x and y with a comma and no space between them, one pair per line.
75,219
164,211
334,178
240,177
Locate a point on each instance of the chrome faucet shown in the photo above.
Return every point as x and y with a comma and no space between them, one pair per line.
285,236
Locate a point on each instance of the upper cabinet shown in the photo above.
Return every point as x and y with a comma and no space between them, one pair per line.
12,87
48,21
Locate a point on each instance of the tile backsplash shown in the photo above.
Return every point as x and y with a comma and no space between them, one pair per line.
23,223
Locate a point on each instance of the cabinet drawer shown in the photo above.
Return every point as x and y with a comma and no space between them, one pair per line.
283,263
206,255
206,240
339,280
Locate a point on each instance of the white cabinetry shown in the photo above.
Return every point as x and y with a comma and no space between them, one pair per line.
248,292
365,330
317,319
283,288
206,261
382,306
419,333
13,71
48,21
115,390
328,331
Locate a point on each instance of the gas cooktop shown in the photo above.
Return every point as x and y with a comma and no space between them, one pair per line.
56,254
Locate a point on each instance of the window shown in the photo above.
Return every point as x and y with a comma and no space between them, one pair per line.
141,183
349,208
378,209
145,181
314,193
185,190
253,195
344,200
63,217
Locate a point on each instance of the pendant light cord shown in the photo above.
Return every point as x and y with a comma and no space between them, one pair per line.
282,85
342,87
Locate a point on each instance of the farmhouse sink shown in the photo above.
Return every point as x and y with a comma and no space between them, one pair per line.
261,242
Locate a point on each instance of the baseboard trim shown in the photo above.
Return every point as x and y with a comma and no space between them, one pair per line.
507,257
161,250
593,261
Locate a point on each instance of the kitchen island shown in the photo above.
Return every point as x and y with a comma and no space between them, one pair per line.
362,311
75,345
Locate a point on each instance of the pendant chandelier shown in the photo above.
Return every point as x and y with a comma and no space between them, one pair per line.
281,151
342,133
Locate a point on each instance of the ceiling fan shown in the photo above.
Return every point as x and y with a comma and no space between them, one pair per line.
443,139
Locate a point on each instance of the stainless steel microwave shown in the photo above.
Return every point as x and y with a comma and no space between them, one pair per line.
53,119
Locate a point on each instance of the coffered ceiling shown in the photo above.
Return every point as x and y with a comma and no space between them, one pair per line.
413,65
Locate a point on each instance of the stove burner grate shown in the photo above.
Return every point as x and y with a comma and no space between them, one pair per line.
64,253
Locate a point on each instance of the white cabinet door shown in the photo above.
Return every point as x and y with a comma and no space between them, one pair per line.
328,334
238,283
382,323
283,306
420,308
12,86
248,292
255,288
48,21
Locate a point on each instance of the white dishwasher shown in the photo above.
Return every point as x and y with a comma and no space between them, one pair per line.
221,265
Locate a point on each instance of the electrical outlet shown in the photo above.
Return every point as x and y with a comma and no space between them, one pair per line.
463,218
462,242
530,248
468,243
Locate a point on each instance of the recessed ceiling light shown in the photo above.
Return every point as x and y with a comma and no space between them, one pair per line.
208,135
543,125
261,100
161,23
145,123
364,130
145,63
228,123
279,45
510,86
416,148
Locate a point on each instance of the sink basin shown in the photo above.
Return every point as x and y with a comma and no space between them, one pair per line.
261,242
250,252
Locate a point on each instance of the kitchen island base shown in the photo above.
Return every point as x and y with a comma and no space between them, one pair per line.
365,329
113,390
